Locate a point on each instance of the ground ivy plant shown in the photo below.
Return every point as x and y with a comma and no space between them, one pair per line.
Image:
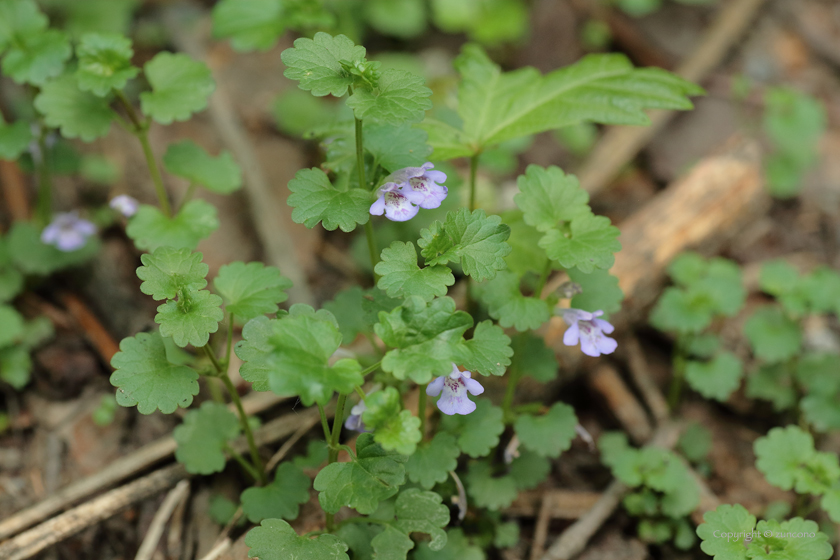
401,463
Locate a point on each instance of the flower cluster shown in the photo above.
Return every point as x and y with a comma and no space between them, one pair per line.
407,190
354,421
453,390
586,328
67,232
125,205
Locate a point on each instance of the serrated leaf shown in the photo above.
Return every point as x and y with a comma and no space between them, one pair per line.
600,291
533,358
219,174
396,147
478,432
315,199
166,271
716,379
370,477
822,411
79,114
180,87
393,428
723,285
725,519
790,539
695,442
424,338
457,548
682,311
529,469
401,276
831,504
772,382
506,304
295,356
144,377
275,539
526,255
280,499
550,434
589,244
773,336
548,196
36,58
202,437
778,277
431,462
348,311
150,229
391,544
488,491
399,98
316,63
687,268
19,18
11,282
488,351
192,318
253,350
31,256
11,325
14,139
474,239
104,63
780,453
252,289
822,287
421,511
250,24
15,366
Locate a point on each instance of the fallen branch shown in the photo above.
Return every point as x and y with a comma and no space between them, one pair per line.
606,381
640,372
152,538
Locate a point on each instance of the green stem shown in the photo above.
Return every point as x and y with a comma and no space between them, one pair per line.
374,253
249,468
473,172
333,450
362,519
371,369
188,195
325,424
229,341
360,393
507,403
421,410
360,154
210,354
249,434
678,367
543,279
44,204
215,390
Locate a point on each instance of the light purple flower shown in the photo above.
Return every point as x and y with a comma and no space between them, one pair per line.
424,181
589,330
454,387
354,421
67,232
397,202
125,205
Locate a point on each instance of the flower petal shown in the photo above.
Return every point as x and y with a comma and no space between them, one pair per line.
434,388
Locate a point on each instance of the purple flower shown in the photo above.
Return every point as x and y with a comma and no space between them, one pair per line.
424,181
354,421
67,232
590,330
454,386
397,202
125,205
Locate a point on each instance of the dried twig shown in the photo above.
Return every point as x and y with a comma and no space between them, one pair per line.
640,372
96,334
541,529
218,550
563,504
152,538
287,446
621,144
14,190
611,386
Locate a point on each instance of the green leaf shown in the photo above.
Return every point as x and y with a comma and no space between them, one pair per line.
14,139
275,539
316,455
253,350
716,379
79,114
548,196
221,510
687,268
507,534
529,469
401,276
526,254
831,504
772,382
431,462
487,491
681,311
192,318
780,453
11,325
31,256
425,338
550,434
703,345
723,285
822,411
600,291
144,377
391,544
420,511
396,147
167,270
15,366
778,277
347,309
295,356
104,63
695,442
401,18
488,352
773,337
533,358
36,58
822,287
252,289
478,432
280,499
203,436
315,199
399,98
474,239
506,304
219,174
150,229
316,63
790,539
725,519
368,478
818,372
180,87
589,243
457,548
393,428
250,24
18,19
